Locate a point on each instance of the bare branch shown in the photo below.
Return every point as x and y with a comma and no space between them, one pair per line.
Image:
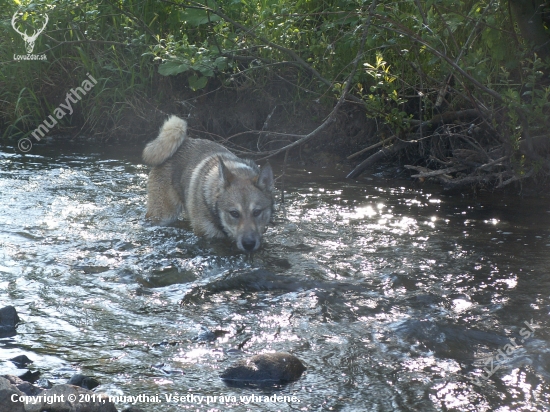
374,146
425,172
378,156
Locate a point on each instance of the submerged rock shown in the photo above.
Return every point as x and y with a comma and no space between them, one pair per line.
279,367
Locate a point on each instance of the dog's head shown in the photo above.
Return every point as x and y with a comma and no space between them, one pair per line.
245,204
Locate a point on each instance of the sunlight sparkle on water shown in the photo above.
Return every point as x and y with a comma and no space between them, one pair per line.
460,305
361,212
449,393
162,381
194,355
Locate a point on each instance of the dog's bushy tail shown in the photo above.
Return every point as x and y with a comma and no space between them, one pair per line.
172,134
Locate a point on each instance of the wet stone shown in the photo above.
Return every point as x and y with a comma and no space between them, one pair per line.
207,335
21,361
30,376
279,367
8,321
83,381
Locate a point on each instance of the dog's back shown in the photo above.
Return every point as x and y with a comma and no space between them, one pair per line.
210,184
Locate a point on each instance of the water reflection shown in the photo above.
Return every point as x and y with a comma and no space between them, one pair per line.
392,294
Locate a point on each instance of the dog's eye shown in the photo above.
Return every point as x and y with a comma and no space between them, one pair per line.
235,214
256,212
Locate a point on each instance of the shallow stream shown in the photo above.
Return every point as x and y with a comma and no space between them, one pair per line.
395,295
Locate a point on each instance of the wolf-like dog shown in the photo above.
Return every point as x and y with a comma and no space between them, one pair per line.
221,194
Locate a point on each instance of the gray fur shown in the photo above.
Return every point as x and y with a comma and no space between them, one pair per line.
173,133
221,194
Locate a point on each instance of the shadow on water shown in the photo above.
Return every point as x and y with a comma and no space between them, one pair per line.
396,297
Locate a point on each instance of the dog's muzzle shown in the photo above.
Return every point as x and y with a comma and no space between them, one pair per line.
250,243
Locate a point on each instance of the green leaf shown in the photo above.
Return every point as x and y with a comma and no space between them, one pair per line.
204,69
173,67
196,82
221,63
196,17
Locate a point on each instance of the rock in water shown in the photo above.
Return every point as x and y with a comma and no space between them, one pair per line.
21,361
8,321
276,367
85,382
8,317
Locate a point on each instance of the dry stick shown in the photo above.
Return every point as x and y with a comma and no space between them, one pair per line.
266,123
425,172
516,178
492,163
450,183
420,111
374,146
283,184
375,158
468,180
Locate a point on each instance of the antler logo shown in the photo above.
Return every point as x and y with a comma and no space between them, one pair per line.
29,40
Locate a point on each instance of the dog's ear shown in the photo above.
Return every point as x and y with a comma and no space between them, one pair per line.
265,179
225,174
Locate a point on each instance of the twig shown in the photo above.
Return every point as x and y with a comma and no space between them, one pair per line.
516,178
283,183
493,163
443,174
448,117
375,158
374,146
450,183
425,172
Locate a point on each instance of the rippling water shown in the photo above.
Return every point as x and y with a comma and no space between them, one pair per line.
396,296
